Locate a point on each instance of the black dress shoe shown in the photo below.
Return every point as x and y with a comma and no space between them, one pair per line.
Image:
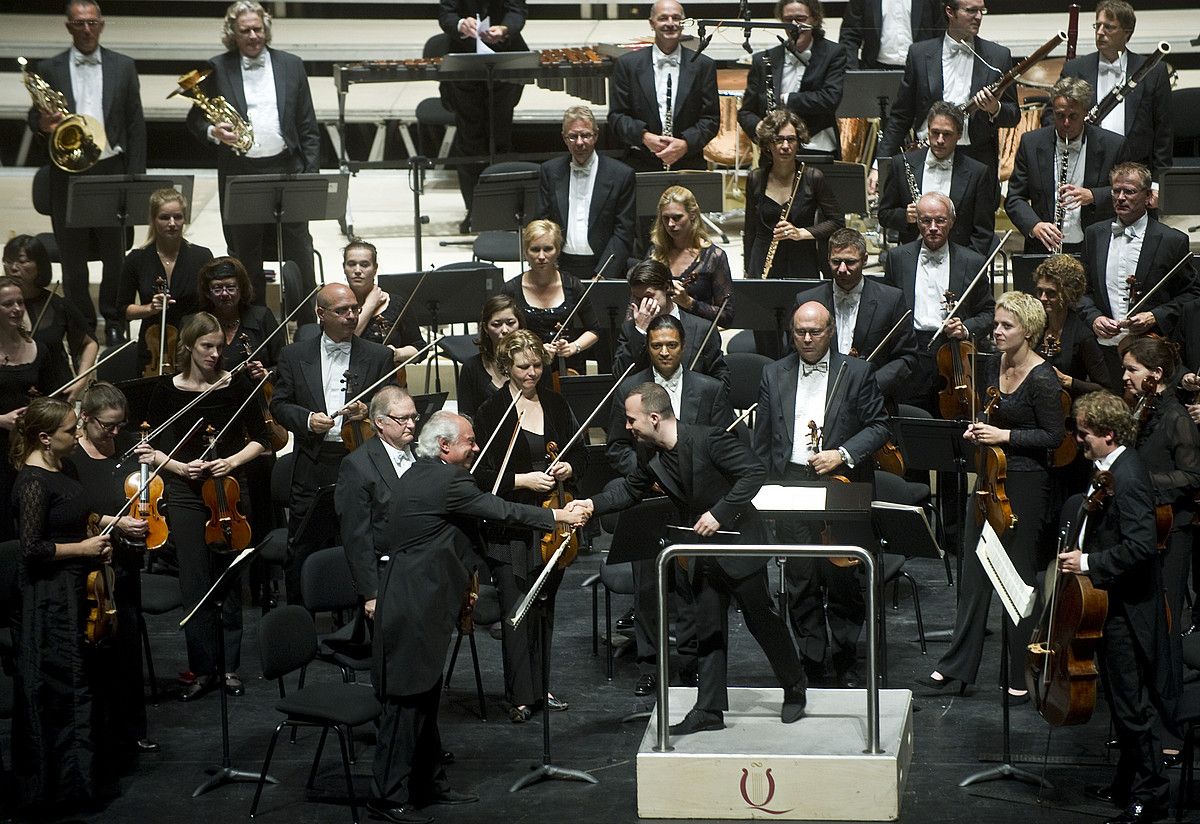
202,686
1106,793
234,685
1018,700
451,797
698,720
519,715
402,814
1138,813
557,704
931,683
625,621
795,700
145,745
646,685
447,757
851,679
464,226
1171,759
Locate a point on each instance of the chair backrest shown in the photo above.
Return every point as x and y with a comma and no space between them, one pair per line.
326,584
896,490
905,410
436,46
306,332
41,191
745,373
287,640
742,341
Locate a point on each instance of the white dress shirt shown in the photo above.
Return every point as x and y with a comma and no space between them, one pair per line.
335,360
939,174
1123,252
674,387
794,70
87,82
895,35
1076,153
845,311
579,205
665,65
810,406
401,459
929,289
262,109
1102,465
1108,76
957,66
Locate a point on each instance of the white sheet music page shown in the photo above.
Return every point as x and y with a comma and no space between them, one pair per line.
776,498
485,23
1015,594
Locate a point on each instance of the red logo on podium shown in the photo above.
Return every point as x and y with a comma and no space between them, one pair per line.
756,783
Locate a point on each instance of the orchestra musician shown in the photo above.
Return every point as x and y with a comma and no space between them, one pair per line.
514,553
711,477
1068,344
1037,188
479,377
548,295
422,580
165,258
864,312
794,391
939,168
103,84
592,197
61,759
52,319
924,270
1144,117
378,312
269,89
1140,674
884,29
201,347
696,400
700,277
806,74
637,113
650,296
1025,422
315,419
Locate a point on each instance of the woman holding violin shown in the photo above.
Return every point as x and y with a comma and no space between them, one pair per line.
515,555
700,277
51,318
1068,344
190,476
360,264
548,296
1023,421
62,754
480,376
162,268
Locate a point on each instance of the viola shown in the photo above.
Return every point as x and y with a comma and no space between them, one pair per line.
355,433
161,339
955,361
275,431
1068,449
227,529
558,498
385,332
101,605
991,497
147,495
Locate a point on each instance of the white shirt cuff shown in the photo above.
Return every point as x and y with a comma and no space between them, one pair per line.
1083,562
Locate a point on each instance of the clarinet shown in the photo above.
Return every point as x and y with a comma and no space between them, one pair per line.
1060,209
772,103
913,189
669,120
1118,94
787,207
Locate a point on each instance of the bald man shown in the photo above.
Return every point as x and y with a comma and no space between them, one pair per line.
316,377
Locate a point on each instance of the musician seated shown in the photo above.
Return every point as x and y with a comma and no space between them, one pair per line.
1059,184
884,35
592,197
701,281
480,376
940,168
379,319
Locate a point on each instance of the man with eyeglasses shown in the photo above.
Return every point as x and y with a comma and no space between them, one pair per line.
316,378
593,199
1143,118
642,83
806,75
103,84
885,29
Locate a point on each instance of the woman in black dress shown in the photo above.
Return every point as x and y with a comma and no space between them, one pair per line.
1025,422
201,353
61,753
514,554
164,260
801,235
700,277
480,375
547,296
50,316
1068,344
378,312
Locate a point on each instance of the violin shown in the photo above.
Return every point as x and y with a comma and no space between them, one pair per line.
227,529
815,437
563,369
888,457
1051,346
275,431
1068,449
385,332
161,339
991,498
1060,669
1143,409
147,494
101,606
355,433
558,498
955,361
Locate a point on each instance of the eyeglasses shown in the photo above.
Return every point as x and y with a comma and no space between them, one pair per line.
786,140
223,290
114,427
809,333
933,221
403,419
1106,27
345,311
576,136
85,24
977,10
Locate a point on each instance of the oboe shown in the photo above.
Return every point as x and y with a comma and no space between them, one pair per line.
1060,208
772,103
783,214
913,189
669,118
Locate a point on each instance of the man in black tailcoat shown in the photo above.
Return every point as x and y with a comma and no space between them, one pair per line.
883,34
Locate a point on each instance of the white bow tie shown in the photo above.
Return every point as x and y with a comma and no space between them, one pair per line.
580,171
1119,229
668,61
802,58
933,258
958,48
1112,68
932,162
252,63
332,348
87,59
844,298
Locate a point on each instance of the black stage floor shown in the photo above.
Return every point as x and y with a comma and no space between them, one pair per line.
954,737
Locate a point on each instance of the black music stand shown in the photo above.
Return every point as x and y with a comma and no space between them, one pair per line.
848,181
503,201
905,529
584,392
487,65
869,92
102,201
1179,192
763,305
610,301
708,188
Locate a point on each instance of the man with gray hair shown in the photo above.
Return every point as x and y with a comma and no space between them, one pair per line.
423,578
592,198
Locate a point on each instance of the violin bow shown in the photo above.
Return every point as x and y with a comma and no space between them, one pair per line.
711,327
837,382
404,308
53,291
249,397
1133,310
958,303
482,452
226,378
282,325
110,353
393,371
165,291
891,334
741,417
583,428
142,486
512,441
563,326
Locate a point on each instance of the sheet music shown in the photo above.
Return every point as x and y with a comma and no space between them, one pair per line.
776,498
1015,594
485,23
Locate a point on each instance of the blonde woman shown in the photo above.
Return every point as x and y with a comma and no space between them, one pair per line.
700,277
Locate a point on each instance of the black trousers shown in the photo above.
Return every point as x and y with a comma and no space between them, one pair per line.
408,750
199,567
522,644
1175,563
321,529
128,701
475,113
645,618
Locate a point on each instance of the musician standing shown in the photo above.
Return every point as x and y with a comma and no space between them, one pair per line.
939,168
592,197
1043,185
324,362
1068,344
796,393
379,319
884,30
701,282
1141,677
806,76
637,109
269,89
103,84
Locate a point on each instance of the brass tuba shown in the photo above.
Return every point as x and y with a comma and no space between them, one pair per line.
78,140
216,109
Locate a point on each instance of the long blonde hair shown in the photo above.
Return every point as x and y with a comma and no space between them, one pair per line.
158,200
660,241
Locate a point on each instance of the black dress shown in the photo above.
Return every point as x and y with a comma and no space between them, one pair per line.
474,385
61,320
1080,357
60,752
255,323
404,335
709,282
140,274
793,258
15,383
544,322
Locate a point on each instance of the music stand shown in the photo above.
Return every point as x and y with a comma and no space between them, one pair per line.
1179,192
905,528
849,184
584,392
763,305
503,201
869,92
486,65
102,201
610,301
706,186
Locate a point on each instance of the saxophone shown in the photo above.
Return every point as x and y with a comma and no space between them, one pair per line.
216,109
79,139
787,207
1060,209
669,119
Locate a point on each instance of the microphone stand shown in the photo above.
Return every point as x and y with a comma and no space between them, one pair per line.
417,164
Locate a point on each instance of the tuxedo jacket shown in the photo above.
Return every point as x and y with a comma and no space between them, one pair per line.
298,388
862,23
855,420
509,13
631,348
817,99
1032,186
879,309
972,190
124,123
900,270
421,586
297,119
612,213
718,474
367,483
633,108
1162,248
704,402
922,86
1148,134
